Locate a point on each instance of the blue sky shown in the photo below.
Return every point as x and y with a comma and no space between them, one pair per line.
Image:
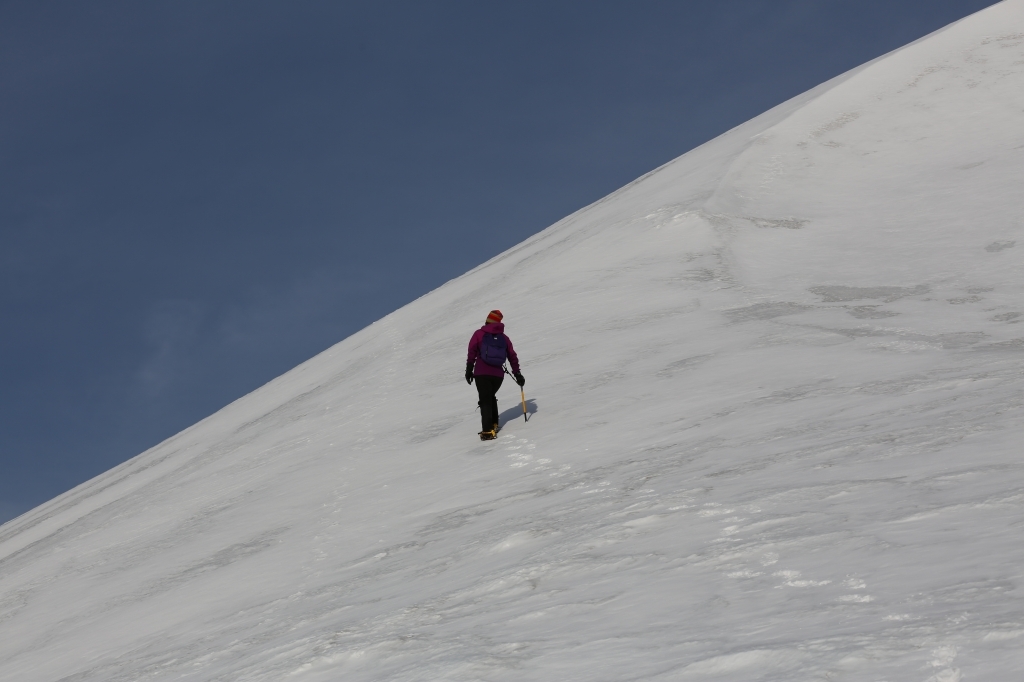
196,196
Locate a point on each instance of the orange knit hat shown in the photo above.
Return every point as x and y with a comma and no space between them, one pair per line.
494,316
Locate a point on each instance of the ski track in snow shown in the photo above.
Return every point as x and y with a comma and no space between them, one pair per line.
776,405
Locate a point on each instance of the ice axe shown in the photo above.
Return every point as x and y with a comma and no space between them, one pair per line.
522,393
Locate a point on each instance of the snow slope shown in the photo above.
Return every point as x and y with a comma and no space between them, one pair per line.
776,435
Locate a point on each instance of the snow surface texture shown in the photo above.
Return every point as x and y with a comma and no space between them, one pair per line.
777,413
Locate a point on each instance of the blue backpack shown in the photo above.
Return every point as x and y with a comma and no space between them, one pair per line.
493,349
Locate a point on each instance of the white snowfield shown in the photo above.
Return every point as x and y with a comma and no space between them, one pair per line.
777,428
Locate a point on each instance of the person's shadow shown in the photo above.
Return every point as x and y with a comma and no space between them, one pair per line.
516,412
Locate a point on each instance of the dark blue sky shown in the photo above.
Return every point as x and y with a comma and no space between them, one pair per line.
197,196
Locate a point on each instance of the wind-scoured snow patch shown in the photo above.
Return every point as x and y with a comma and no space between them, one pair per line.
758,661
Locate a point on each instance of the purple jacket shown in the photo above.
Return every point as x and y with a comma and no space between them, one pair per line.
481,368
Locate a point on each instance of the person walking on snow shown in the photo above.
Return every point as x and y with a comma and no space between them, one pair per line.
488,350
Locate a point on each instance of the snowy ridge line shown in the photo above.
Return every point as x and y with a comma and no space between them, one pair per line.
762,122
124,479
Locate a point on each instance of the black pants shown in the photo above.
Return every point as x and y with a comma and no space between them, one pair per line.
487,388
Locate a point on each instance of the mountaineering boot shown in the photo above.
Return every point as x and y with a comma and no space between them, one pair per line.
490,435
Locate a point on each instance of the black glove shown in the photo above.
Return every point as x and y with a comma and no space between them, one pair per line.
520,379
469,372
